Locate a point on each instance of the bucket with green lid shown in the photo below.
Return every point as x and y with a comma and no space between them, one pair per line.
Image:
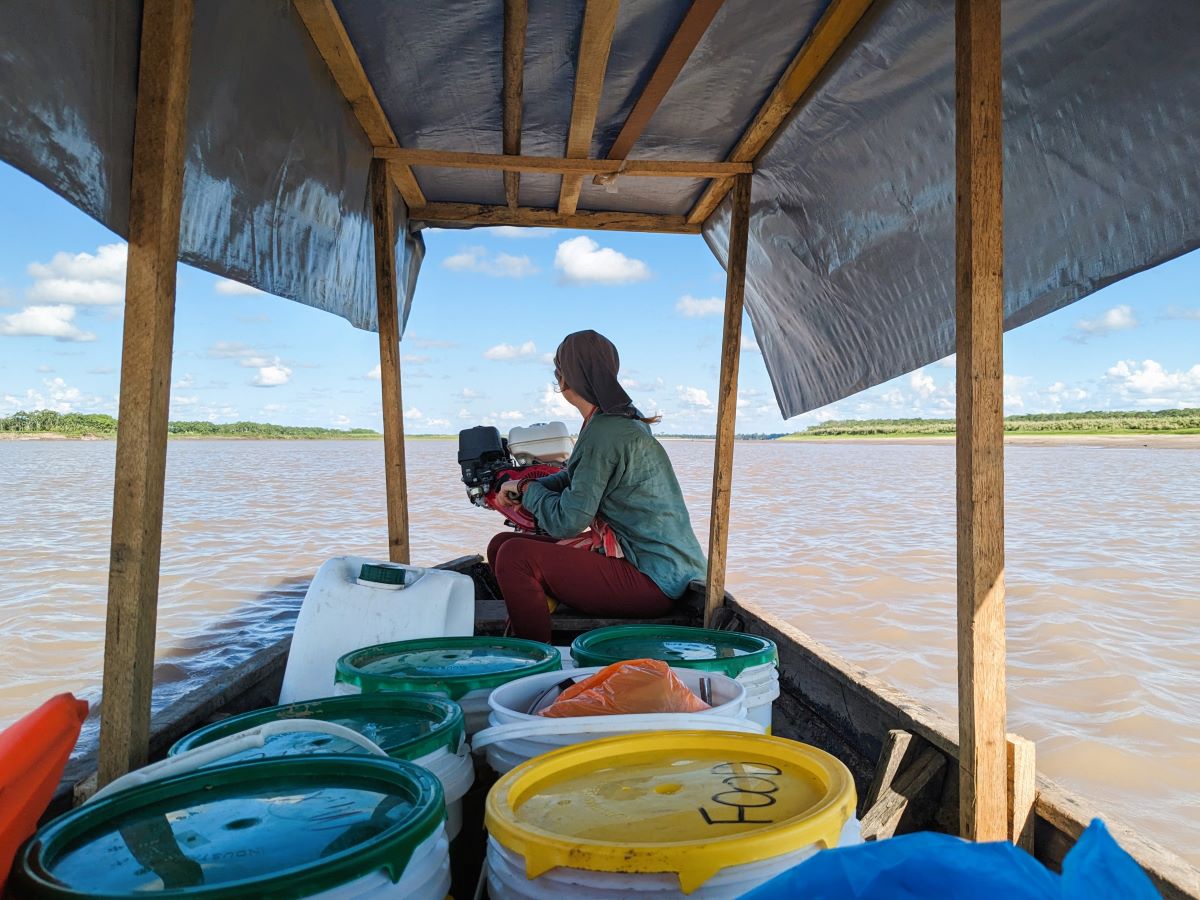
465,669
752,660
426,729
322,826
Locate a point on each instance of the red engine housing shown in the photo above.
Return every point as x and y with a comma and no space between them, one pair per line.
520,518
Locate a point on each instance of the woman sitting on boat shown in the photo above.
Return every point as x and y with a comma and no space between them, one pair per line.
618,539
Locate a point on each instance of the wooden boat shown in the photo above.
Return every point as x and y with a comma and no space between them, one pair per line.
302,186
903,785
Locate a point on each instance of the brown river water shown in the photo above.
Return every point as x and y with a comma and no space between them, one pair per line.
851,542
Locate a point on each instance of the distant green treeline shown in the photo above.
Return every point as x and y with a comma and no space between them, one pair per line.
47,421
1172,421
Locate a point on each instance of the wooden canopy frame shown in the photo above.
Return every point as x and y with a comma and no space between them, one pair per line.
990,808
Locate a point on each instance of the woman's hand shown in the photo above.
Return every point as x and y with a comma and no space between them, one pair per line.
509,496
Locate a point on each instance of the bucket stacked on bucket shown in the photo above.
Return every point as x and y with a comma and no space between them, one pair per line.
705,814
751,660
465,669
322,826
425,729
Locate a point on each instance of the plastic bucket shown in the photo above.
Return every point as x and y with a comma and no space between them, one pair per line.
751,659
426,729
324,826
668,814
516,735
465,669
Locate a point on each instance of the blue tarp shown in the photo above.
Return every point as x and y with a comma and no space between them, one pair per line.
939,866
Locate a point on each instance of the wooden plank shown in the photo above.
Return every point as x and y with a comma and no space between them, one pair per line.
1022,791
646,168
325,26
919,782
731,352
516,22
827,37
695,22
979,255
595,42
155,201
478,214
895,748
386,296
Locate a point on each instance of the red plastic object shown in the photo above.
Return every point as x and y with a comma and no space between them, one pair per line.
33,753
521,518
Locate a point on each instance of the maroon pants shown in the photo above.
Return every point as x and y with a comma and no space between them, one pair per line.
529,567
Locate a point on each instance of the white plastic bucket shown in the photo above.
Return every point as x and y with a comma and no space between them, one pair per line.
762,690
506,878
456,772
516,735
426,877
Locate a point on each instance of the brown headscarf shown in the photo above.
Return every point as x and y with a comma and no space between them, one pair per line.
588,362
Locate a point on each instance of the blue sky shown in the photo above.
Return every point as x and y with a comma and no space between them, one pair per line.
490,308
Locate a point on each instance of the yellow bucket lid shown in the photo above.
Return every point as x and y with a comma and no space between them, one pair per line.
689,802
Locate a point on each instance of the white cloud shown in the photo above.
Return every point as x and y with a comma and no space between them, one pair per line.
375,373
470,394
430,343
413,413
414,359
555,404
272,375
512,415
499,265
507,352
581,260
82,279
514,232
340,421
1149,384
922,384
749,344
185,381
693,397
56,321
1119,318
229,287
181,401
693,307
1182,313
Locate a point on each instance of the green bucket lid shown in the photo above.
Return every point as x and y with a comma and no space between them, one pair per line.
453,666
405,726
728,652
280,828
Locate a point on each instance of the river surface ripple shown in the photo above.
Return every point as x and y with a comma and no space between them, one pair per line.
852,543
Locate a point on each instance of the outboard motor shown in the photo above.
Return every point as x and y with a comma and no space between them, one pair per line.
488,460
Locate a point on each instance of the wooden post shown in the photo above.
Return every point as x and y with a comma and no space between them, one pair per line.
386,295
156,198
979,252
1022,791
731,349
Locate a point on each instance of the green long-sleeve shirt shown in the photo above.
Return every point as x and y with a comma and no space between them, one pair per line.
619,471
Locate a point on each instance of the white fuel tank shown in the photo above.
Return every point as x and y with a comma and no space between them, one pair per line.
543,442
354,602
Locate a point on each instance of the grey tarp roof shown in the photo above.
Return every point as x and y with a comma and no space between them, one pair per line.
850,276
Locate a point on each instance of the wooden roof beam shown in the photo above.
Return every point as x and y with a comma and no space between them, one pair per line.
695,22
477,214
333,43
826,39
595,43
655,168
516,21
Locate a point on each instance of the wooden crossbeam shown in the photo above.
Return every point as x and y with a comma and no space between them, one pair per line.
919,784
656,168
595,43
478,214
516,21
695,22
827,37
333,43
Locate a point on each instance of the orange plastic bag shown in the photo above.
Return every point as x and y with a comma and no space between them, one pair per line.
633,686
33,753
